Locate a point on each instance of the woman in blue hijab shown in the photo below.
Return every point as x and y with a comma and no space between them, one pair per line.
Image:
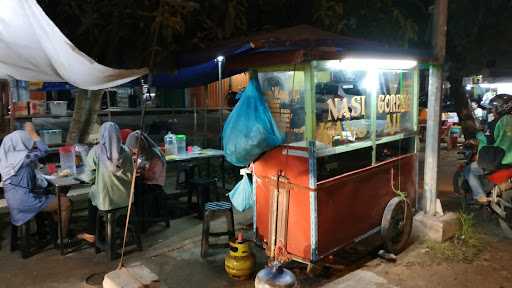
19,154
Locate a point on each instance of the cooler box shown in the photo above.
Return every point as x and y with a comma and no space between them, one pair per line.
58,107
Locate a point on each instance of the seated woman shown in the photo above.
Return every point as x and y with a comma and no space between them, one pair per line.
109,169
23,184
151,177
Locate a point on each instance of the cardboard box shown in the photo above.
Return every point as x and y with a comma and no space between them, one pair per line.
37,96
20,108
37,107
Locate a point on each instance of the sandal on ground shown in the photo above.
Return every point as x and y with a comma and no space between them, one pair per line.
483,200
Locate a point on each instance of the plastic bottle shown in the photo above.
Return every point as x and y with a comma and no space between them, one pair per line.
170,144
181,142
67,159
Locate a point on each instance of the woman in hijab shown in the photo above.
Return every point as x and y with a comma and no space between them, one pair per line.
109,169
23,184
151,177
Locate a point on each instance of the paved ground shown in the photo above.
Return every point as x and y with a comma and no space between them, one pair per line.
174,255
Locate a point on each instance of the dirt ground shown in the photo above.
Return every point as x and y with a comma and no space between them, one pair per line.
421,265
174,255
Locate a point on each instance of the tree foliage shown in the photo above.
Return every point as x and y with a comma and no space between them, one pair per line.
387,21
129,33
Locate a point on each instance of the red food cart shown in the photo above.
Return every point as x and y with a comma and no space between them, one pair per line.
349,165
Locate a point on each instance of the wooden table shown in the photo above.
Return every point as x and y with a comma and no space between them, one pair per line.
62,185
203,154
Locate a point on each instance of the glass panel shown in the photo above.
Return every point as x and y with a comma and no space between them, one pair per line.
395,103
342,105
393,149
284,93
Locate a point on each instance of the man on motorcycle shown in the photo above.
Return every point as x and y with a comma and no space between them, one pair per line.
498,134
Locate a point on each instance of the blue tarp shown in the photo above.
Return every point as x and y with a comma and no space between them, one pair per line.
193,76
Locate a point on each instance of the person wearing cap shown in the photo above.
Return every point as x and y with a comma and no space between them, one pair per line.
498,134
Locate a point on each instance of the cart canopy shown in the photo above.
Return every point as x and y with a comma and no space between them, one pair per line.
286,46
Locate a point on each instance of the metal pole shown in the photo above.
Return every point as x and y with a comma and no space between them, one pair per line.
432,139
219,92
108,104
434,108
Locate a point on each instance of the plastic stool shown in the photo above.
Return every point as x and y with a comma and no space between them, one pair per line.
213,209
157,211
113,235
24,241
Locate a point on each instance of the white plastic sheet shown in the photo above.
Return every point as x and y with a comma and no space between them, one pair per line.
32,48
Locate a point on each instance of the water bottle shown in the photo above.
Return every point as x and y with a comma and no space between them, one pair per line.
181,143
170,144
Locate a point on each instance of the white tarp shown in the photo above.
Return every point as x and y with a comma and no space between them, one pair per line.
32,48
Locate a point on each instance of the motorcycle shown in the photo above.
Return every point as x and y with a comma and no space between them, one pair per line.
500,194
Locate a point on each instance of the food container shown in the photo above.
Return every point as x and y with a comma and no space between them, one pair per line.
37,95
67,160
51,137
37,107
181,143
20,108
58,107
170,144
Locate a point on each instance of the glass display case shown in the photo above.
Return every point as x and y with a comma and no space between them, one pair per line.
354,107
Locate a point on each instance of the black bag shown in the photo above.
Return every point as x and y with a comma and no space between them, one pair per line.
490,157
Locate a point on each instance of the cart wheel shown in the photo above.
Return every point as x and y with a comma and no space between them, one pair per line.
396,225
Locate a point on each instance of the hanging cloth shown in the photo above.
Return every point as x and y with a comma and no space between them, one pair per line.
32,48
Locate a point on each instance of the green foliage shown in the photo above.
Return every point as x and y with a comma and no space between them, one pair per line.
328,15
131,32
385,21
128,33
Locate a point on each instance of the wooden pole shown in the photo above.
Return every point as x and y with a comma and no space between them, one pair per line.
434,107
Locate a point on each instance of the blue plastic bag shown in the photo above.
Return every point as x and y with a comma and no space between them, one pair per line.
250,129
242,196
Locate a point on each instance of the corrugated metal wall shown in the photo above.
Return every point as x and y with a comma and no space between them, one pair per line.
208,96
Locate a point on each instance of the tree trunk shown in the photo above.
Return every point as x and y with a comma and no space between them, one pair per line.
464,110
4,99
84,125
90,130
77,122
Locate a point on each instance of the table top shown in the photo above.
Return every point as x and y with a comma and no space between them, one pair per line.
204,153
63,181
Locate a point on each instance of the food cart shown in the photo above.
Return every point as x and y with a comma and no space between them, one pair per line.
349,166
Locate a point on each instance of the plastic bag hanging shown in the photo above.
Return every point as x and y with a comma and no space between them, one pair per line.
250,129
242,196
